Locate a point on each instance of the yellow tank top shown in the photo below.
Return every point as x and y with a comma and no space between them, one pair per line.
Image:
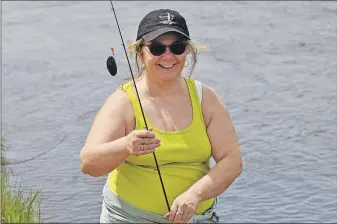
183,158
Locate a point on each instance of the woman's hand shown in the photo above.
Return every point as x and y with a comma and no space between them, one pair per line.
183,208
141,142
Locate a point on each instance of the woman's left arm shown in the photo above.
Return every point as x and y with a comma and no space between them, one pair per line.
225,149
226,153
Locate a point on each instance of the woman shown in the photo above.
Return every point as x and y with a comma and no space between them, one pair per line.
188,124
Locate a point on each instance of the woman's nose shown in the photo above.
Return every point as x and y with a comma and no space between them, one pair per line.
168,52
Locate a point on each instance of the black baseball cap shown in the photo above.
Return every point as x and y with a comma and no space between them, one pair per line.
161,21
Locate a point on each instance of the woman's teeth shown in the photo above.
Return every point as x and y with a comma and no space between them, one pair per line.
166,66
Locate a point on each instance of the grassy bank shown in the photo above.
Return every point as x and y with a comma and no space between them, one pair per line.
17,207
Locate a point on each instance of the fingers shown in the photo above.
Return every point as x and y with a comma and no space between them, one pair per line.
187,215
144,134
173,212
146,149
183,208
182,214
167,216
140,153
141,142
182,217
178,218
148,141
144,141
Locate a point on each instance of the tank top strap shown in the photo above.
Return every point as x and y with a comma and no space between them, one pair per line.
128,88
196,102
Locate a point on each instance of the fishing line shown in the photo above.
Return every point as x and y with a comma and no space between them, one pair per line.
140,104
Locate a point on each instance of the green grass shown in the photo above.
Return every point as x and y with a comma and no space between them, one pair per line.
17,207
3,160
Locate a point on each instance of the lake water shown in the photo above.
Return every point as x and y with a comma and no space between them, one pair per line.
273,64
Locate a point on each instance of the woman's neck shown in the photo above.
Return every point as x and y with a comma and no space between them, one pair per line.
155,87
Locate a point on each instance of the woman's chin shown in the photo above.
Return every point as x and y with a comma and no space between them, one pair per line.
167,74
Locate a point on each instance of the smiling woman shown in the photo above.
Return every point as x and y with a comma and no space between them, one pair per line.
188,124
158,49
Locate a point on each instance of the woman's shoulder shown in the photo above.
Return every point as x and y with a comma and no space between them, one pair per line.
119,99
208,93
197,81
124,86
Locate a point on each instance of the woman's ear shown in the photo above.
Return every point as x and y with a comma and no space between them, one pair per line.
139,52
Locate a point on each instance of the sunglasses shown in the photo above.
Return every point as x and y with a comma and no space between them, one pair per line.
177,48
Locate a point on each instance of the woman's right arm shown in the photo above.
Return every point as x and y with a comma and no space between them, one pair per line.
105,147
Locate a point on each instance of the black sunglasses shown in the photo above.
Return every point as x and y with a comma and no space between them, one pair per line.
176,48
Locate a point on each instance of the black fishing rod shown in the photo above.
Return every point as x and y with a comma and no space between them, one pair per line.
112,68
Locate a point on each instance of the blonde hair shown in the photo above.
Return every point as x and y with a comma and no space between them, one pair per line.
135,47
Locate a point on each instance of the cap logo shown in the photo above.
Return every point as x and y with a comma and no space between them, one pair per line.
166,18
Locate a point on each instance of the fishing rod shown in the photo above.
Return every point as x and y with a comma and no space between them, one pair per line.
112,68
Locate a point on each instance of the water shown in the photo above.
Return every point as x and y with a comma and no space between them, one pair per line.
273,64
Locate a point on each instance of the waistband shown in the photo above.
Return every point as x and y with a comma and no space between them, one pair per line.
116,209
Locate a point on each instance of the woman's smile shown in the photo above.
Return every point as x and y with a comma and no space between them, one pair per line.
166,67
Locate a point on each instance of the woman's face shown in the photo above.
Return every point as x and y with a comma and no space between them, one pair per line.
168,65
